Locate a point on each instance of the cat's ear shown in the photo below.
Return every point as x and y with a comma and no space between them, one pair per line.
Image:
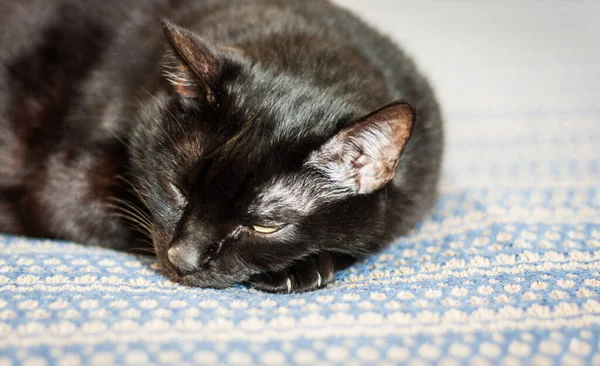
362,157
192,64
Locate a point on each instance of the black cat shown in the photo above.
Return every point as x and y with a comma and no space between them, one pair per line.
269,142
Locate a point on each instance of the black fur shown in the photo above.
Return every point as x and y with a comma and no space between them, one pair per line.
287,115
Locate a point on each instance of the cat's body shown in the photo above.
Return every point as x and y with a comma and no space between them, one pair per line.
233,146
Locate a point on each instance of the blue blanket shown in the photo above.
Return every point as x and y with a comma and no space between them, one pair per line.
506,270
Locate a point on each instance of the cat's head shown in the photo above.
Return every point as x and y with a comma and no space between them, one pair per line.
245,170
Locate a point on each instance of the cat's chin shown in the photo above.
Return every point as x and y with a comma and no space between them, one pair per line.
194,280
202,279
197,280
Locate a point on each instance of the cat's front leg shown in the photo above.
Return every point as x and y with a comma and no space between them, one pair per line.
308,274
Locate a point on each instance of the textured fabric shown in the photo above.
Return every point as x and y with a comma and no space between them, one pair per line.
506,270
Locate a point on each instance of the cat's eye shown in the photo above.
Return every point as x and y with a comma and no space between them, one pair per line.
266,229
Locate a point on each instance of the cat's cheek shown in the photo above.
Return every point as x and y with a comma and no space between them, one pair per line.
222,273
166,216
167,270
164,265
161,237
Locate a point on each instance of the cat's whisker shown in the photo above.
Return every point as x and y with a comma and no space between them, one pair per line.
149,250
130,206
128,211
133,189
142,251
125,143
130,187
130,216
124,211
145,235
139,227
149,243
136,227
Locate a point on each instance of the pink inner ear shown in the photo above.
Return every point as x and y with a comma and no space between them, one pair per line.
363,156
182,79
373,172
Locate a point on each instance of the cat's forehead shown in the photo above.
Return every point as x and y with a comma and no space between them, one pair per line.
295,193
300,193
284,107
258,119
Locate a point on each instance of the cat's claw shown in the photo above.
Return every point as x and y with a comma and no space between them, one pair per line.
303,276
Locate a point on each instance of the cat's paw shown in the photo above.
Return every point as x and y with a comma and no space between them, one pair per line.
309,274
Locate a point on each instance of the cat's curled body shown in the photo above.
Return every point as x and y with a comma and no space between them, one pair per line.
253,141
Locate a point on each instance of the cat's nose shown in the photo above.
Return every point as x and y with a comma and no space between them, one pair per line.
185,257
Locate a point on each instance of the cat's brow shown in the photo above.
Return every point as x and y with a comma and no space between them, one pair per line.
298,193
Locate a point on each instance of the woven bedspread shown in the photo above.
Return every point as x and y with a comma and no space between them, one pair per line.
506,270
